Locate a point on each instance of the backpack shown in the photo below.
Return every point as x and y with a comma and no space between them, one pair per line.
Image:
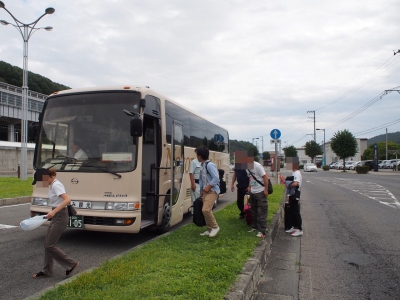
222,183
198,217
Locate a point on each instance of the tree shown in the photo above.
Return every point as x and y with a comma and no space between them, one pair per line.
344,144
313,149
252,150
290,151
369,152
13,75
266,155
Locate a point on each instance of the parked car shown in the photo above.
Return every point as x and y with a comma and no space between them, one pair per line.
354,165
310,167
388,163
368,163
382,164
332,164
338,165
346,165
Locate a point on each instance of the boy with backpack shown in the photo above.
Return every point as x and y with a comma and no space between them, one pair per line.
209,190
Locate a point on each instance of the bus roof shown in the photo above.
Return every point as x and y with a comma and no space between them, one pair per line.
103,88
144,90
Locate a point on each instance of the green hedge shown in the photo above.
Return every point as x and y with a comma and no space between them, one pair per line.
325,168
301,167
362,169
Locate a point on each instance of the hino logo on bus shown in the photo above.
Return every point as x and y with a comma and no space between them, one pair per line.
110,194
74,181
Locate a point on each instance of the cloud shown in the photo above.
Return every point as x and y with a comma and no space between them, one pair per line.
250,66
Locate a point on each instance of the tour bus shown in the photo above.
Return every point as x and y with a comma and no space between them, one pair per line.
138,145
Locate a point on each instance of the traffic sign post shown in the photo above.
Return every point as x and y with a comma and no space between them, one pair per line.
276,134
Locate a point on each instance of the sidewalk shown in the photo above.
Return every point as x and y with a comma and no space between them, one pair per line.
255,268
280,277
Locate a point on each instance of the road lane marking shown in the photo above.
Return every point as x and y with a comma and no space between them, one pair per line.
2,226
371,190
13,205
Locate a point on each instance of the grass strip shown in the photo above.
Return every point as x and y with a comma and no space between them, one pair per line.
11,187
180,265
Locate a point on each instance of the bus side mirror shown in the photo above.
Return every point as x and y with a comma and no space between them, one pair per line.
136,127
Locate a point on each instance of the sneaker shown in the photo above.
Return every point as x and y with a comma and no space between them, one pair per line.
291,230
297,233
205,233
214,232
252,230
260,235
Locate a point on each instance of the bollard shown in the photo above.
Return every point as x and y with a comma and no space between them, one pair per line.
19,171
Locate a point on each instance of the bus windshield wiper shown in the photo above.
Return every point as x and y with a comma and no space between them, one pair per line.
104,169
65,160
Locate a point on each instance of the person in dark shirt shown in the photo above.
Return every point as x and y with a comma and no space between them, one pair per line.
240,175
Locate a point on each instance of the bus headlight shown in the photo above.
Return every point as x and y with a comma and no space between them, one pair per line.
39,201
122,206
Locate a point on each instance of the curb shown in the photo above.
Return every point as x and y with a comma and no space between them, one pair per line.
13,201
247,280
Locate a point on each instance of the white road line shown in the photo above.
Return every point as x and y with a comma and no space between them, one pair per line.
2,226
4,206
369,189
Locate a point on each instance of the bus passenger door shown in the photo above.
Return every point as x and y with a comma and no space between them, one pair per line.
177,168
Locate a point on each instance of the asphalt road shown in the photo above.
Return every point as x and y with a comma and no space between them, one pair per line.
22,253
351,246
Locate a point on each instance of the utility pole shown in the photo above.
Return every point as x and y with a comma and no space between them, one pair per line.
315,133
313,111
386,144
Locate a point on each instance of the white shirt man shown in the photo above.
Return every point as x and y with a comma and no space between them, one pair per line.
258,184
194,174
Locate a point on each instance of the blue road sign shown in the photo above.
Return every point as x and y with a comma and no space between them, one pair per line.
275,134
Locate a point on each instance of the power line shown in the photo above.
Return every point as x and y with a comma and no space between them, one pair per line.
358,111
363,82
378,127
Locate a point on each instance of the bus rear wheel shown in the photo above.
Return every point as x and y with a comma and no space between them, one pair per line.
166,218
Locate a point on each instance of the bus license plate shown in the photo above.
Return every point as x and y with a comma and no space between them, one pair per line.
75,222
81,204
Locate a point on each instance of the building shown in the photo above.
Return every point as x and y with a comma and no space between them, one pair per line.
10,125
11,111
332,157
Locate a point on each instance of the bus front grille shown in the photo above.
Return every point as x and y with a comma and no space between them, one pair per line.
98,221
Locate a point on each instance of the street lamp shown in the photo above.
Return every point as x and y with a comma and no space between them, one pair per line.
26,31
324,146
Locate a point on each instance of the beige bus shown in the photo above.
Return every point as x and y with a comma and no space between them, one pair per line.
123,155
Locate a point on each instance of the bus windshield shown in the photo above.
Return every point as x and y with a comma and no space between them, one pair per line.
88,132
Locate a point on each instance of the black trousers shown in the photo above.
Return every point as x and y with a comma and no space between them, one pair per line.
240,199
294,202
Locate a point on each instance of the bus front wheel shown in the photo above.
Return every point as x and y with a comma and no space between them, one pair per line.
166,218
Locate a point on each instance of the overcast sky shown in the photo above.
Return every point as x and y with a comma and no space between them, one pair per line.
250,66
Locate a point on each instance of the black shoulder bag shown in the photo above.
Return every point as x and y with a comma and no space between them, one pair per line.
270,188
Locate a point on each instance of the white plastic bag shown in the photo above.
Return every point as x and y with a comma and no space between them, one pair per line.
32,223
